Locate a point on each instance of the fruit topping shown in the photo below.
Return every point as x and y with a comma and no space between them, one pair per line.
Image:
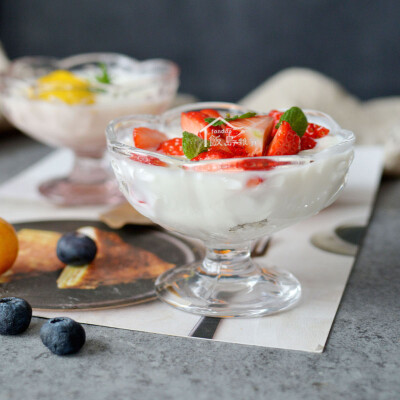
172,147
148,139
212,154
145,159
62,335
15,315
75,248
210,136
250,135
65,86
316,131
255,181
307,143
276,116
195,121
285,142
296,119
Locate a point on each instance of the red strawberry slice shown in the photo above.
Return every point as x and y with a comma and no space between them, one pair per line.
316,131
250,135
212,154
172,147
253,182
144,159
307,143
194,121
285,142
276,115
148,139
210,113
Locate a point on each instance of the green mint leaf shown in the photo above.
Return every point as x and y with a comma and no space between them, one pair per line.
105,76
243,116
296,119
192,145
211,120
228,118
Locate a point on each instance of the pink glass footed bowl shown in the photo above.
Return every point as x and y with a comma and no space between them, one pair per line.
212,201
135,87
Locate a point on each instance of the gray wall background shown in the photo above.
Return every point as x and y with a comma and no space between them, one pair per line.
224,47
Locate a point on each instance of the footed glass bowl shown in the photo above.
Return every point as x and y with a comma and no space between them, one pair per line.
227,204
73,113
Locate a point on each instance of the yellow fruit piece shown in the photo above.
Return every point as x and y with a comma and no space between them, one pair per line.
64,86
8,246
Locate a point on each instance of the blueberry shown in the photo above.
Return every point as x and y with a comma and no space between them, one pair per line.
75,248
15,315
63,335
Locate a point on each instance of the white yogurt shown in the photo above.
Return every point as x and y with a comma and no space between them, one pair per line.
219,207
81,127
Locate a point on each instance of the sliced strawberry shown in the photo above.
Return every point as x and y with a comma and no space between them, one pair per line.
210,113
276,115
193,121
254,164
307,143
250,135
172,147
316,131
255,181
148,139
212,154
285,142
144,159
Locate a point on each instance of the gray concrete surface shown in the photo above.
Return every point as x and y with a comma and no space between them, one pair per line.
361,360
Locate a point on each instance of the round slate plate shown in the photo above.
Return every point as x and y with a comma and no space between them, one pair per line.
42,292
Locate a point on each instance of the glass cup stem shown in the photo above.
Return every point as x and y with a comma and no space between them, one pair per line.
228,262
228,283
88,183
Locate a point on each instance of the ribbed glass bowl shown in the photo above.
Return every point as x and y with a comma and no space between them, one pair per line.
217,202
80,127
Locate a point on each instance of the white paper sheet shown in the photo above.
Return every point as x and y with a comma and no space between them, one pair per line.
323,275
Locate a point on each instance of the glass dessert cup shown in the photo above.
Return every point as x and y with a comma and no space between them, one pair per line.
216,201
139,87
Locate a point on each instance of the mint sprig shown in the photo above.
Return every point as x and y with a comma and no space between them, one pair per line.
193,145
105,76
219,122
296,119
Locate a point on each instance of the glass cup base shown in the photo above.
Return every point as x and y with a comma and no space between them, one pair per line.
65,192
261,291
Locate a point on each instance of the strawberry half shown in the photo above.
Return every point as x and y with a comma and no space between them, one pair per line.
194,121
249,136
276,115
171,147
148,139
285,142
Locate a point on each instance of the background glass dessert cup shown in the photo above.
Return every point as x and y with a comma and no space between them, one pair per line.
73,110
216,202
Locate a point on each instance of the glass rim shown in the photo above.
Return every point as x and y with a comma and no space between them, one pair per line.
124,149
